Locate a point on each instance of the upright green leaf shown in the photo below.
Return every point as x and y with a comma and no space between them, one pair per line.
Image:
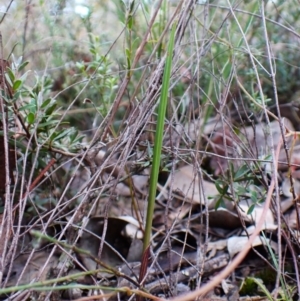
158,138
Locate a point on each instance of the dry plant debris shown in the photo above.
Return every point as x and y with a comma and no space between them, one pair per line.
72,219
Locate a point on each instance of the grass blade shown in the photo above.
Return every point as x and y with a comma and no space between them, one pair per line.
158,139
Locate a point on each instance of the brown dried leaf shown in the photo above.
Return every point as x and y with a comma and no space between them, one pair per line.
185,181
118,241
223,218
256,214
32,270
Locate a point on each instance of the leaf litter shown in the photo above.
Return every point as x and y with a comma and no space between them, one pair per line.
208,204
201,238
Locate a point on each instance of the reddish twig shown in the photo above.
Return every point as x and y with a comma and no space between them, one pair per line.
39,177
36,181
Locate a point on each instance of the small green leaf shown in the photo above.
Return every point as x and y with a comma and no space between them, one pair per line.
80,66
254,196
250,209
63,133
45,124
131,7
45,103
53,136
31,107
93,51
17,96
220,203
51,109
17,84
241,172
128,53
77,139
22,66
10,74
241,190
30,118
130,22
221,186
218,186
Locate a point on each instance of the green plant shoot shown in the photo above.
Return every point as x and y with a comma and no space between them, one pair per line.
158,138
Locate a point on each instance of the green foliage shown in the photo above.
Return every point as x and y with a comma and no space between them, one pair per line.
40,113
97,72
254,286
248,287
243,182
159,139
86,57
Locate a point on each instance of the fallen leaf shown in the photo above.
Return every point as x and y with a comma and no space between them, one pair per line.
185,182
32,270
236,244
117,242
256,213
223,218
